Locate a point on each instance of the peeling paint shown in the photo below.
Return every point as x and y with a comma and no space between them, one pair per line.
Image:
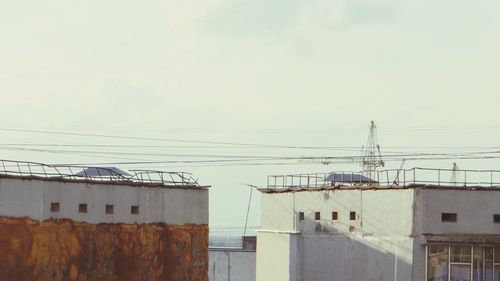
57,250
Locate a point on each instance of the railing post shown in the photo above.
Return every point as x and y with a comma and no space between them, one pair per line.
439,177
465,177
404,177
414,172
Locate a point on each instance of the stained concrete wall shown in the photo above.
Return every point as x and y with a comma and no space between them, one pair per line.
166,240
353,258
32,198
231,264
474,208
374,246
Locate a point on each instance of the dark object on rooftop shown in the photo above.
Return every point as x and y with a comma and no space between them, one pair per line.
102,172
348,177
249,242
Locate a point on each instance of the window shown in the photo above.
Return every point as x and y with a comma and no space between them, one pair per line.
82,208
352,216
134,209
449,217
109,209
54,207
437,263
301,216
335,216
496,218
462,262
317,216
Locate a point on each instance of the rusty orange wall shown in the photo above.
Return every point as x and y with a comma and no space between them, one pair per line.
68,250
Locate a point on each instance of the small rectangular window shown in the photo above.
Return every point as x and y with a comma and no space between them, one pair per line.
449,217
335,216
54,207
134,209
496,218
109,209
317,216
352,216
82,208
301,216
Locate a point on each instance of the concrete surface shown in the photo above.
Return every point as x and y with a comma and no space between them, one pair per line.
32,198
231,264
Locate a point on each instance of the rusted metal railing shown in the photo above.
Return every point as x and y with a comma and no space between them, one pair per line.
98,174
390,178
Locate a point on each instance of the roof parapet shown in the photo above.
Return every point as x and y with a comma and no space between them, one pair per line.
98,174
389,178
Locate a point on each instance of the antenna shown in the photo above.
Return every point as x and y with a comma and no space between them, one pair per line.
454,174
372,158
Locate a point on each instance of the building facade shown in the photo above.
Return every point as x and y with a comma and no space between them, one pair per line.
232,259
349,231
57,225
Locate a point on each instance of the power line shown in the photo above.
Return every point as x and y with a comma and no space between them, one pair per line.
155,139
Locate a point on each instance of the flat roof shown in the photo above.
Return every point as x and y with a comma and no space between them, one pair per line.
385,179
96,175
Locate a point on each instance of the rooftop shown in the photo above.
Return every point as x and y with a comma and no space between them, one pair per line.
404,178
105,175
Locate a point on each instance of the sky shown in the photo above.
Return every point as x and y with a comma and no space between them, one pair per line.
283,73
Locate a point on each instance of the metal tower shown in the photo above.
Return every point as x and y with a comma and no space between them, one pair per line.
371,154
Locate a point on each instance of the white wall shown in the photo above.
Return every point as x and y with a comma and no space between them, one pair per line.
32,198
274,261
231,265
375,246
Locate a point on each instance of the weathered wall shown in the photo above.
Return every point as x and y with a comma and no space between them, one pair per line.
354,258
62,249
231,264
32,198
376,245
474,208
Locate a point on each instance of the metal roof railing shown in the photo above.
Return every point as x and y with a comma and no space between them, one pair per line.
390,178
99,174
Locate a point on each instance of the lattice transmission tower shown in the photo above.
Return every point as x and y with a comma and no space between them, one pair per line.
372,159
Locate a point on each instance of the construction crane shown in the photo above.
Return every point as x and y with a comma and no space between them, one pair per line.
371,157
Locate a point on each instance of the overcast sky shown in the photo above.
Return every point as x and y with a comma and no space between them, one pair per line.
291,72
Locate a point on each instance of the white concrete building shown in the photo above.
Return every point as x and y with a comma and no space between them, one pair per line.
232,259
354,231
90,224
109,198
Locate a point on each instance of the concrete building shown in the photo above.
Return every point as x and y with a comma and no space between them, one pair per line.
232,259
71,223
417,228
